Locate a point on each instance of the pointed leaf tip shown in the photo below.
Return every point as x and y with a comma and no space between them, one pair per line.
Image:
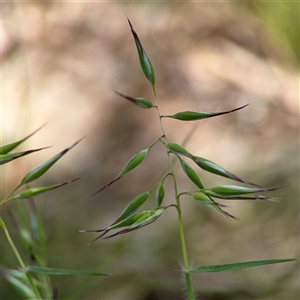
237,266
44,167
9,147
105,187
8,157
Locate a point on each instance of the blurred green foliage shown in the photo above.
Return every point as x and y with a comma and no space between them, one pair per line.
281,19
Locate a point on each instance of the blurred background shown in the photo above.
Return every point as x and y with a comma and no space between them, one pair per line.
62,61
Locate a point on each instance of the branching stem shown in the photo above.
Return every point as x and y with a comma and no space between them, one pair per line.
187,273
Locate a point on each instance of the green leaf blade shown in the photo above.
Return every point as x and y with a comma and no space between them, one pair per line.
237,266
54,271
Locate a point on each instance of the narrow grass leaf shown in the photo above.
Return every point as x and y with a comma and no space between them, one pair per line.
175,148
8,157
54,271
212,167
9,147
32,192
144,60
192,174
133,206
198,115
140,102
44,167
160,194
237,266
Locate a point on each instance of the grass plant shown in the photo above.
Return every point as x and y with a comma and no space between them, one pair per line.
32,281
132,218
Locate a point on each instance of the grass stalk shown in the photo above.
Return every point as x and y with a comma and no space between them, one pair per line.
20,260
187,274
188,279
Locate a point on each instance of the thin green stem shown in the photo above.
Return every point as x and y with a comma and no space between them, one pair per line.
185,259
7,198
12,245
18,256
187,274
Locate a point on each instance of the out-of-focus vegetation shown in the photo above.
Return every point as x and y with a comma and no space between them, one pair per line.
61,63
